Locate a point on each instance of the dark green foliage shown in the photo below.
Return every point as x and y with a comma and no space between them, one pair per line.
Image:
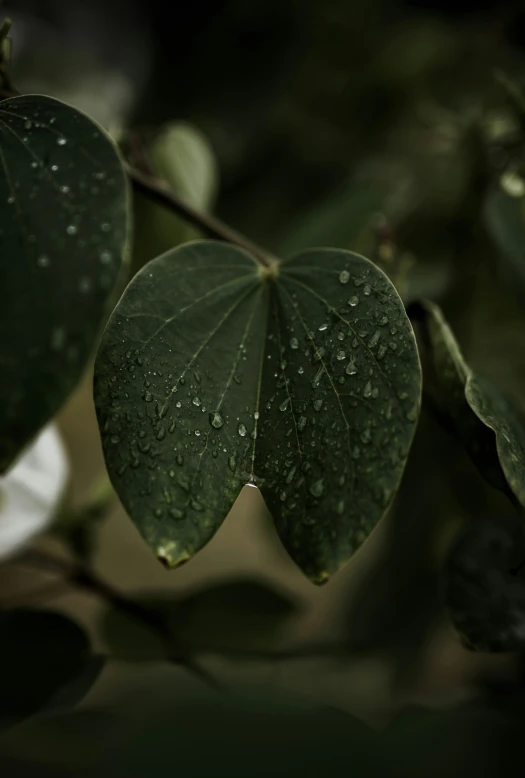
215,372
485,586
63,237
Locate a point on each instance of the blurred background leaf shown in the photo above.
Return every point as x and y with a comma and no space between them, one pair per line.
45,660
240,614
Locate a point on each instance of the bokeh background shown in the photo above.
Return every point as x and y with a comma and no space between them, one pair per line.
361,124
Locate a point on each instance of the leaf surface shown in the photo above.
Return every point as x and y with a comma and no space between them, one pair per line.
489,423
63,237
213,374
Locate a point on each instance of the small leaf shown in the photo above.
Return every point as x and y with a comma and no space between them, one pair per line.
41,653
182,156
215,372
490,425
236,613
63,237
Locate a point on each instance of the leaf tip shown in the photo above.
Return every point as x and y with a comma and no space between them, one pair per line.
171,556
320,578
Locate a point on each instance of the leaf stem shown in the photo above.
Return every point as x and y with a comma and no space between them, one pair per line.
160,192
83,577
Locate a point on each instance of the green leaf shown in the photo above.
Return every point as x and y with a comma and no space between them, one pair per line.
237,613
45,660
302,379
484,586
486,420
63,237
180,155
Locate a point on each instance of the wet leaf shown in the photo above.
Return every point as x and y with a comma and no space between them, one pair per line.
63,237
213,373
488,422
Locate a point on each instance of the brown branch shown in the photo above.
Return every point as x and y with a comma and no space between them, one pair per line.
160,192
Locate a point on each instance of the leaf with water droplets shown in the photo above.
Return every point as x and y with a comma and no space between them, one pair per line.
63,237
490,424
278,406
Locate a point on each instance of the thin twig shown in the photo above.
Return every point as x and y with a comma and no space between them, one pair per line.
160,192
78,575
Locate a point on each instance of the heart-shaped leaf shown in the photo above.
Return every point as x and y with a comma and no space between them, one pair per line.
302,379
487,421
63,236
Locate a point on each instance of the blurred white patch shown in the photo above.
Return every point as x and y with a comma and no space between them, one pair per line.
30,492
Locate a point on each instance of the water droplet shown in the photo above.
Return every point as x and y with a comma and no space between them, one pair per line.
294,343
232,463
43,261
216,420
512,184
58,337
241,429
353,301
344,277
256,415
318,404
105,257
64,189
176,513
284,405
291,473
341,355
147,396
374,340
301,424
114,439
84,284
197,433
71,229
317,378
61,141
300,370
28,125
161,434
322,327
179,459
351,369
367,391
367,290
381,351
317,488
339,508
196,401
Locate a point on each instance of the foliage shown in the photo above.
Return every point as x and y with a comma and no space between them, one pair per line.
367,368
